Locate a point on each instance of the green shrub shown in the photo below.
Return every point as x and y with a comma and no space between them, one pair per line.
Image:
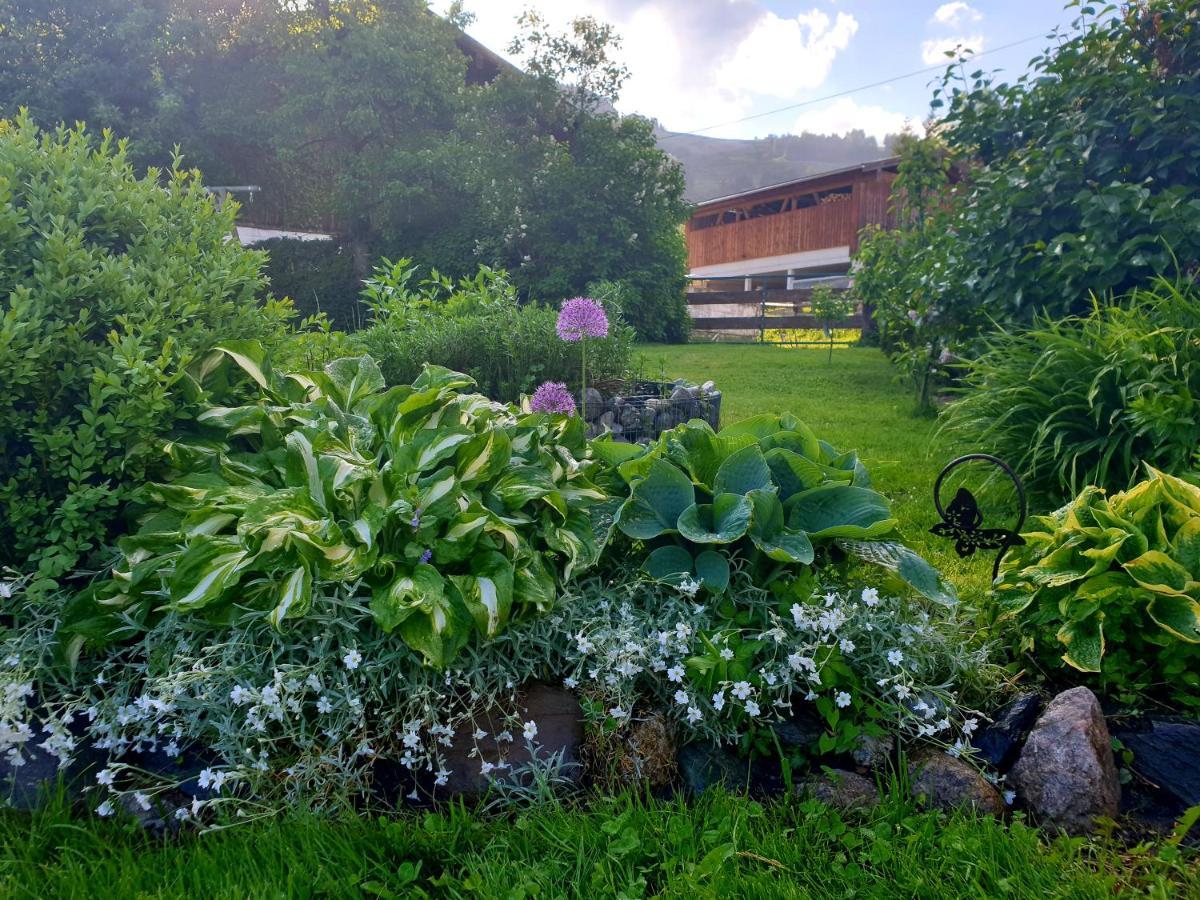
1109,586
109,284
477,327
1086,401
455,513
656,310
318,276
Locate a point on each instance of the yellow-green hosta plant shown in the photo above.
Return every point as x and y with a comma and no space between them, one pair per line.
453,512
1110,586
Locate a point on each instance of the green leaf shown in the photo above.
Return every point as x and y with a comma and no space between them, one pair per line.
205,570
613,453
431,446
723,521
575,539
742,472
251,358
484,457
712,569
1186,547
1156,571
1084,641
769,533
1180,615
294,598
488,592
656,502
421,590
439,378
840,510
355,378
668,561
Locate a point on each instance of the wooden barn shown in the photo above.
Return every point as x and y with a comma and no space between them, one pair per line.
759,253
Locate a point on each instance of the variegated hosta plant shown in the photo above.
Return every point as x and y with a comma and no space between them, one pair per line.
765,490
456,513
1111,587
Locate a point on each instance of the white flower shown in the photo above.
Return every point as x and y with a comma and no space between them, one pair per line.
529,730
870,596
1009,797
683,630
770,678
141,800
969,726
105,809
617,713
943,724
239,695
742,690
688,587
902,691
847,645
842,699
726,653
751,708
323,705
485,768
480,734
570,683
675,673
352,659
718,701
181,813
12,661
105,777
682,698
895,657
694,714
584,644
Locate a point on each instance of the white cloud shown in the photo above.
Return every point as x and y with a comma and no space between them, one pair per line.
845,115
694,63
782,57
956,14
934,50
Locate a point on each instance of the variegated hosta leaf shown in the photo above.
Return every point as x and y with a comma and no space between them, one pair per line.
576,540
205,571
294,598
420,591
1084,640
488,592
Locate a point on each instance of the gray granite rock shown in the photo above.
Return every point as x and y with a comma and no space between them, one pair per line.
841,790
945,782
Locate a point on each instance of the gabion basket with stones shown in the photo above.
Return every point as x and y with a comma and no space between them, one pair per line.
640,411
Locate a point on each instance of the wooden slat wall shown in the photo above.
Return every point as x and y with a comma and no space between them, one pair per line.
814,228
773,295
754,323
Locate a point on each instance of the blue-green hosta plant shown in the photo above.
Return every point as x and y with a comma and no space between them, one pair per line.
455,513
1110,586
766,490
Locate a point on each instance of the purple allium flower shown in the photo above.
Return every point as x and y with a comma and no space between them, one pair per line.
582,318
553,397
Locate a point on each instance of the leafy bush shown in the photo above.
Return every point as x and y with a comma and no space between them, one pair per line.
478,327
109,285
318,276
764,491
453,512
657,313
1110,586
1086,401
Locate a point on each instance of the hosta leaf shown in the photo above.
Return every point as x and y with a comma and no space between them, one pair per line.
712,568
694,448
294,597
723,521
440,631
484,457
1084,641
656,502
668,561
420,590
613,453
1156,571
521,484
770,534
441,379
534,585
355,379
742,472
798,438
205,571
487,592
576,540
457,542
1186,547
1179,615
431,446
757,427
250,357
793,473
302,470
907,565
439,490
840,511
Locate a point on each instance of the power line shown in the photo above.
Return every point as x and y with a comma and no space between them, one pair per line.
854,90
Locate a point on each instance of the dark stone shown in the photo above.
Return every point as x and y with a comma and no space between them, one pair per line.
1000,742
1066,774
703,765
1166,753
27,785
945,782
559,720
841,790
800,732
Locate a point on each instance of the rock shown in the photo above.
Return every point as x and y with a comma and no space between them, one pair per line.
25,786
799,732
607,420
1000,742
595,403
559,720
1166,752
1066,774
945,782
681,394
707,388
703,765
873,752
841,790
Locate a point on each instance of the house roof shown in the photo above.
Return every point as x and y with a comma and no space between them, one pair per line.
888,162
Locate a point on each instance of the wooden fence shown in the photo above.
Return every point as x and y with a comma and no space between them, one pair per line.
774,309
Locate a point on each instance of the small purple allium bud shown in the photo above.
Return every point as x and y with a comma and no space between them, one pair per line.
582,318
553,397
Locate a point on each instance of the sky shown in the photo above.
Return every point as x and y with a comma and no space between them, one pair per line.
701,65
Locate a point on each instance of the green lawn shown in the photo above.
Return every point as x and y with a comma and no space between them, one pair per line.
722,846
